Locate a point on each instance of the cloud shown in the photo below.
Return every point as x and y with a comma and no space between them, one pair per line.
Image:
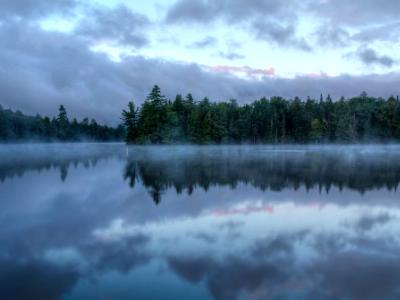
355,13
119,24
204,43
40,70
122,255
370,57
192,11
266,20
34,8
230,278
368,222
231,55
282,34
332,35
356,275
248,71
382,32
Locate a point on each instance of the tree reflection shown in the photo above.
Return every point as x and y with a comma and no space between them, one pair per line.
274,172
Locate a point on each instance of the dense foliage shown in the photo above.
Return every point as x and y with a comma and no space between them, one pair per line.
275,120
15,126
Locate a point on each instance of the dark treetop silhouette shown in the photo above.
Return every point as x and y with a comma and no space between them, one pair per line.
274,120
15,126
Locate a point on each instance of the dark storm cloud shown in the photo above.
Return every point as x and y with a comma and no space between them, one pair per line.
34,8
267,20
119,24
371,57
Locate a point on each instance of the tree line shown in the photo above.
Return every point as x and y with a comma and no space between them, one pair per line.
276,120
16,126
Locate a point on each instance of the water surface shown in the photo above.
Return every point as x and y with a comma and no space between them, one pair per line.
106,221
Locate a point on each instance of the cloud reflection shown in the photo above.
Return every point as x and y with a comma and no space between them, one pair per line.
255,223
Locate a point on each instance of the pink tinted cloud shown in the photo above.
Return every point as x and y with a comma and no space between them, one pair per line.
249,71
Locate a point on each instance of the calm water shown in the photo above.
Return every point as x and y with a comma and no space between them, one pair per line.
110,222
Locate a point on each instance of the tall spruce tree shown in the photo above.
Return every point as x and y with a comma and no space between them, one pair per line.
62,123
130,121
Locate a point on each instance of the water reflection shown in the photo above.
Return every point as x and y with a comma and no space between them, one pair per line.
265,168
80,222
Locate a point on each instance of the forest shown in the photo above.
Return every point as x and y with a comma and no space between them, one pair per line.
15,127
276,120
160,120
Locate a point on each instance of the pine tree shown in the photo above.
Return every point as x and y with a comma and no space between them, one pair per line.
62,123
130,121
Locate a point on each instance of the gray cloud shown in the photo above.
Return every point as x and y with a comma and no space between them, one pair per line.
232,11
356,275
231,55
190,11
356,12
383,32
368,222
266,20
204,43
231,278
34,8
119,24
370,57
282,34
332,35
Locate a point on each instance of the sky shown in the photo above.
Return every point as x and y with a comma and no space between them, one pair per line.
94,56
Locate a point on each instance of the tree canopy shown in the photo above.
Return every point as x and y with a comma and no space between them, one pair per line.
15,126
274,120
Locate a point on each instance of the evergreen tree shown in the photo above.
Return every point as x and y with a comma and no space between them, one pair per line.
131,122
15,126
274,120
62,123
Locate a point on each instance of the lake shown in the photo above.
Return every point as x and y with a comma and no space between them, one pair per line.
106,221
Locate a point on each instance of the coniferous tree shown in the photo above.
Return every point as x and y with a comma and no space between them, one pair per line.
15,126
62,123
130,121
274,120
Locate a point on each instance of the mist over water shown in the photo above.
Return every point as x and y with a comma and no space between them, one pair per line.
106,221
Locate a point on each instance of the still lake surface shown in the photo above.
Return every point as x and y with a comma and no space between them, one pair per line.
106,221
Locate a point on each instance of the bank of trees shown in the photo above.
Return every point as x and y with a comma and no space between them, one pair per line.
15,126
184,120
